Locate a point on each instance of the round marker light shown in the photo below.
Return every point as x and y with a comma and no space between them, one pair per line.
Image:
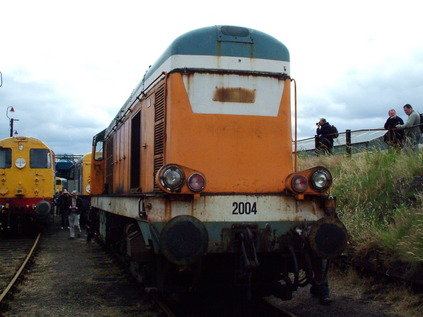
20,162
196,182
321,179
172,178
299,183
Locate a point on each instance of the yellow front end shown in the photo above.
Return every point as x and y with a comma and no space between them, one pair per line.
26,169
86,174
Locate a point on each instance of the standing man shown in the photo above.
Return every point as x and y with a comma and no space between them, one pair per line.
412,133
325,138
394,138
56,202
64,203
75,209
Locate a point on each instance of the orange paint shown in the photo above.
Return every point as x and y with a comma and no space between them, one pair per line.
237,153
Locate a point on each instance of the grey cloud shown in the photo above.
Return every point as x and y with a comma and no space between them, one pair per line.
47,114
361,98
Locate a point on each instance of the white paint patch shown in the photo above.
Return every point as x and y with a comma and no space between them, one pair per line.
201,90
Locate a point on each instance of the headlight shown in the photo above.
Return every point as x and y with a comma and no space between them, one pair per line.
172,178
299,183
196,182
321,180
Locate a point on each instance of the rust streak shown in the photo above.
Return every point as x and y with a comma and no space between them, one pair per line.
241,95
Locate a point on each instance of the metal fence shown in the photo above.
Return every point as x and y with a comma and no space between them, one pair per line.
348,142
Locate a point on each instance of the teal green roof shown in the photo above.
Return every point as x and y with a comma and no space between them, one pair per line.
225,41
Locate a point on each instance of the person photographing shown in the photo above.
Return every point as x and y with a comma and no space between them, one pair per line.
324,137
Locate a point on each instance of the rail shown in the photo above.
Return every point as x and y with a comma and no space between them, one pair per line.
20,270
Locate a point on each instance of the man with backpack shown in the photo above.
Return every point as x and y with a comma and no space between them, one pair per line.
412,129
325,136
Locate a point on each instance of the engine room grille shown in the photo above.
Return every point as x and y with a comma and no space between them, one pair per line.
108,187
159,130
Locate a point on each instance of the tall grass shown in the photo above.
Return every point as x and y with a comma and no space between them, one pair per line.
377,203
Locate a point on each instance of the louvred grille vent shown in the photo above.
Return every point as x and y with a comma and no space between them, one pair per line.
159,130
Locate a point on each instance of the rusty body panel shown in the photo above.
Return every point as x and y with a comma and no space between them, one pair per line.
223,94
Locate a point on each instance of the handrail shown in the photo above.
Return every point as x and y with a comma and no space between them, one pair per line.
295,129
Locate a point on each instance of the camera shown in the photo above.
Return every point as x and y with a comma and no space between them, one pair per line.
317,123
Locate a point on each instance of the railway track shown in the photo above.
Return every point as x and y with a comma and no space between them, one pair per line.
80,277
15,255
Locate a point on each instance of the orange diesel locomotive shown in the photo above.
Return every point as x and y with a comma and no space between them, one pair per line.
27,183
194,180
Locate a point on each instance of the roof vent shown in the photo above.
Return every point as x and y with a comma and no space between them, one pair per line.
234,34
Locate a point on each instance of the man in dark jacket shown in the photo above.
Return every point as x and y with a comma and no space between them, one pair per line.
394,137
324,137
64,203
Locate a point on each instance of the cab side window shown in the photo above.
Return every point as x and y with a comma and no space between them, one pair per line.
98,156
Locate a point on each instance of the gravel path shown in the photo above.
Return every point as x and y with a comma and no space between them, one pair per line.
73,278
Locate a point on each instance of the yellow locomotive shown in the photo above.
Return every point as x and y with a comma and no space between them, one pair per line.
27,183
194,180
80,176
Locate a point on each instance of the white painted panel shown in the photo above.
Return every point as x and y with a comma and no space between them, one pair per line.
201,89
230,208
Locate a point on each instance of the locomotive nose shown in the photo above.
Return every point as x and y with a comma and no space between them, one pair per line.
183,240
328,237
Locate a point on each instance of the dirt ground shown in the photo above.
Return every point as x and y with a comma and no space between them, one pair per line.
73,278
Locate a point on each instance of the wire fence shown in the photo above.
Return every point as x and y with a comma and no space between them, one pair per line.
349,142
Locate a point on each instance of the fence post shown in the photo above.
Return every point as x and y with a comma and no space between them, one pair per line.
316,143
348,142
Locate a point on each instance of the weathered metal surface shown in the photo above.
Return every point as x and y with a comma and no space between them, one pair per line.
328,237
234,94
231,208
273,215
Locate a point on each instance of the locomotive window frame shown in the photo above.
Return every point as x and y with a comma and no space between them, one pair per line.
5,158
98,153
39,158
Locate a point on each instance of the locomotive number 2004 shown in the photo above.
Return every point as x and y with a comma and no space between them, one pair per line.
244,208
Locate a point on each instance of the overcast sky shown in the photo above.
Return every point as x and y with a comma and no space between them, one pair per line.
68,66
